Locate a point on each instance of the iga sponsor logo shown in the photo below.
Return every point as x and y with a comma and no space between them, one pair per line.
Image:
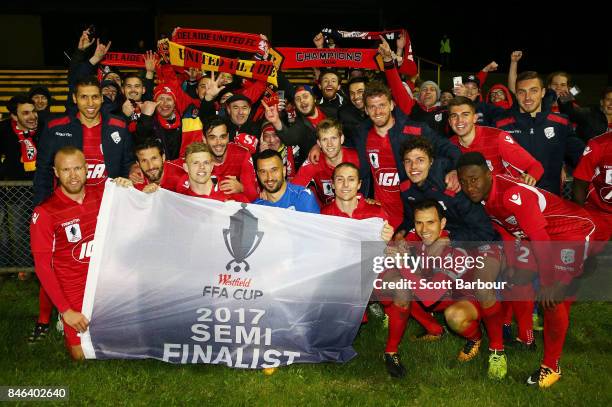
96,172
82,251
388,177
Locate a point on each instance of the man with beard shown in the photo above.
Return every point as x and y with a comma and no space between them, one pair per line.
41,97
329,84
18,140
302,133
378,146
353,114
61,229
158,172
277,192
330,140
233,165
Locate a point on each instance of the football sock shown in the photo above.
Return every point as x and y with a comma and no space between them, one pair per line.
398,319
493,320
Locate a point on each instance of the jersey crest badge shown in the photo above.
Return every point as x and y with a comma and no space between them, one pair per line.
73,233
374,160
549,132
568,256
116,137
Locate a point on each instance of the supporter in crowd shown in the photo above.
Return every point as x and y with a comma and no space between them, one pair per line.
590,121
269,140
353,114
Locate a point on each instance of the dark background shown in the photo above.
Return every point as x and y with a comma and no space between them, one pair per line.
554,37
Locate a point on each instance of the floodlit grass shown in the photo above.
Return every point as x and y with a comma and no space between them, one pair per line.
434,377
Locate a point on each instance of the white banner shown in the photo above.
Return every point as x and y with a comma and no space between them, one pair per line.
191,280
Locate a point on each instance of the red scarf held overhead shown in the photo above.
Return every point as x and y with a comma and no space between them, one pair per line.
28,148
362,35
123,59
220,39
297,58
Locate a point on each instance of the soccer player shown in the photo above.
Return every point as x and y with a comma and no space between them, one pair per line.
157,171
547,136
503,154
462,311
233,165
61,234
330,139
104,139
540,217
349,204
199,163
593,178
378,146
277,192
467,222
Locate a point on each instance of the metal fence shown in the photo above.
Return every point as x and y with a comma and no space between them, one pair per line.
16,205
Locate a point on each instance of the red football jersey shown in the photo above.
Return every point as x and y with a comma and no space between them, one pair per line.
503,154
172,174
385,176
61,235
364,210
541,217
595,167
182,187
526,211
321,174
238,163
92,149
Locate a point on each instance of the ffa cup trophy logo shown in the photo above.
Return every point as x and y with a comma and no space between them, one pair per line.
242,238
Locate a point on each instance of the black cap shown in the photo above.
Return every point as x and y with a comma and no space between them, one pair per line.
39,90
472,78
236,97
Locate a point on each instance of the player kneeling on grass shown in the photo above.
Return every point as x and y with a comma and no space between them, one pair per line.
61,234
462,310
